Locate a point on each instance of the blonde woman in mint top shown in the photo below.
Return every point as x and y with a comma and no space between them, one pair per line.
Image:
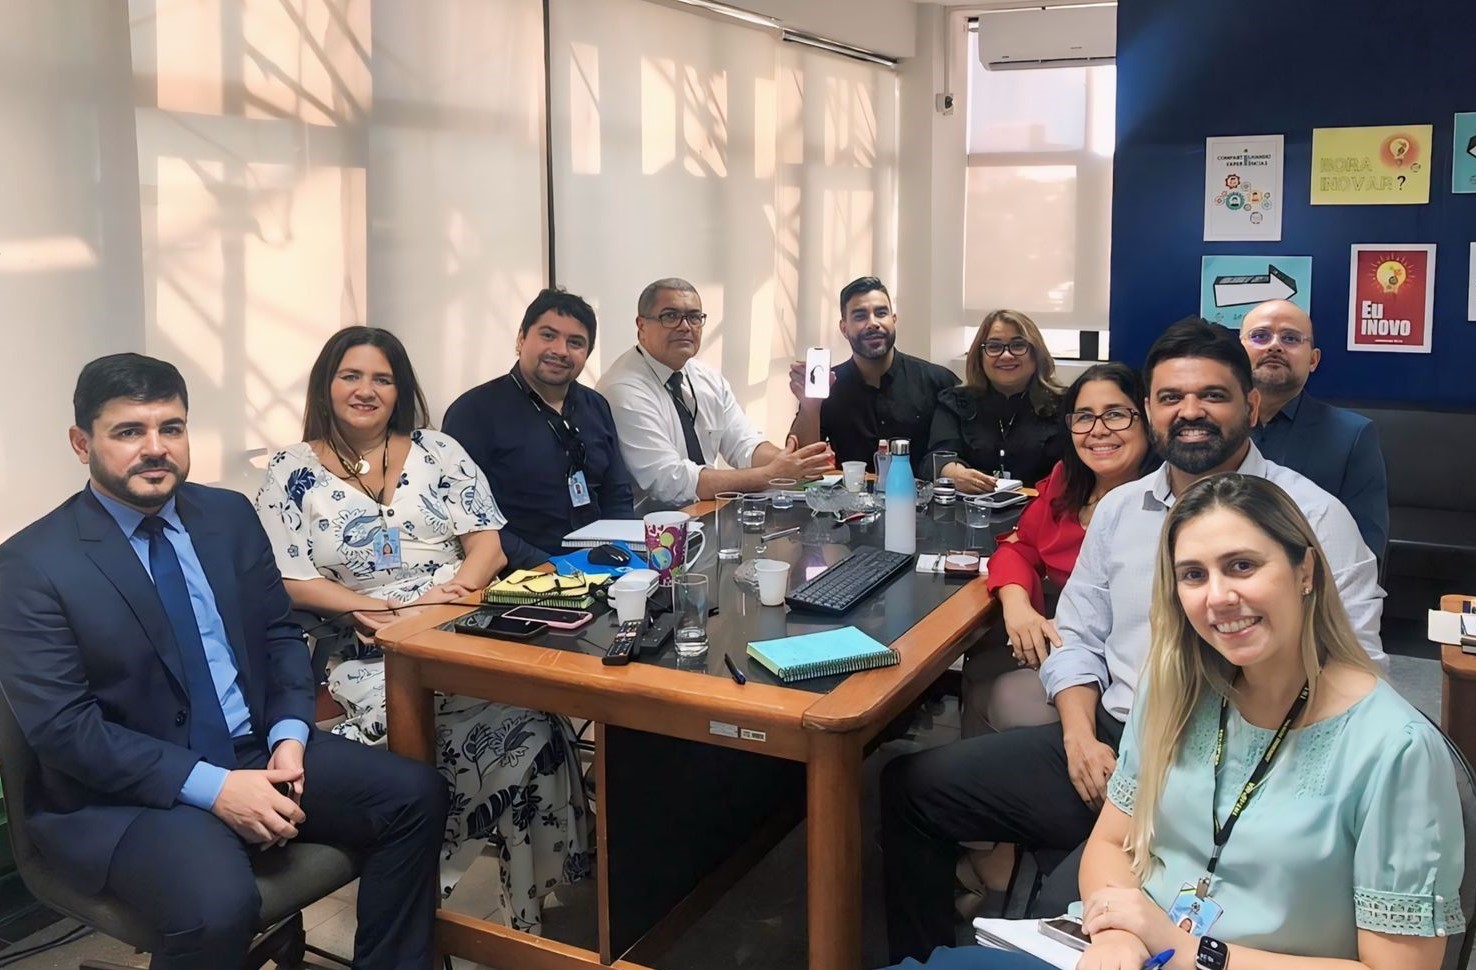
1348,850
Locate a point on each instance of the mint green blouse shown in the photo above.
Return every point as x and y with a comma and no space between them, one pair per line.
1356,826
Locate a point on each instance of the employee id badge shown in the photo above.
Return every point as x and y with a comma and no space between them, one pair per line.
578,489
1193,912
386,548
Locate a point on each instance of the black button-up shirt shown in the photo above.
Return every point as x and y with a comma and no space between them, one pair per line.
512,438
979,426
856,415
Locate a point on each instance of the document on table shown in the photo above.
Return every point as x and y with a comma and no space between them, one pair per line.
1024,935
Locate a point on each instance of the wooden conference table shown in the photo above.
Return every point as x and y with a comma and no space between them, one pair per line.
697,776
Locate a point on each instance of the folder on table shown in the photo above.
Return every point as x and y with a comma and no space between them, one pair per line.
838,651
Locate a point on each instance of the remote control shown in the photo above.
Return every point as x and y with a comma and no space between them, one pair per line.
621,650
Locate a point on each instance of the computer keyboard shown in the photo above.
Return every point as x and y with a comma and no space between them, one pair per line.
849,581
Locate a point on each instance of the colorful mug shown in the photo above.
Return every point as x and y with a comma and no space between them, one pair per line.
666,544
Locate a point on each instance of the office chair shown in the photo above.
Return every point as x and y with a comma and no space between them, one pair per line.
288,878
1458,949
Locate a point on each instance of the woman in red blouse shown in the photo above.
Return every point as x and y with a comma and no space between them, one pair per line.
1102,410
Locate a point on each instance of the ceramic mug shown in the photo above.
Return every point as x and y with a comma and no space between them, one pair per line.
666,544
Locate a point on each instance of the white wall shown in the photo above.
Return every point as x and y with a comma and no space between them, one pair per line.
882,26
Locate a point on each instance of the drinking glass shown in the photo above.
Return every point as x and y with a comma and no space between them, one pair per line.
779,489
941,458
690,597
751,511
976,513
854,475
729,533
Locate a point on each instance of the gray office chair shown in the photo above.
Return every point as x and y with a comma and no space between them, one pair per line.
288,878
1458,949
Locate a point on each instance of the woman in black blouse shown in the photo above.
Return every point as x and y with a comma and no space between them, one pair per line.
1003,421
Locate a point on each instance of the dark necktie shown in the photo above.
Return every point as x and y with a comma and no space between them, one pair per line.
689,425
208,734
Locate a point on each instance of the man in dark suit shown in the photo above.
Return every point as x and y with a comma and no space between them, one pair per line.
1336,448
148,655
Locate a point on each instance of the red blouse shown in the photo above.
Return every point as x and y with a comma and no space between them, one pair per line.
1045,544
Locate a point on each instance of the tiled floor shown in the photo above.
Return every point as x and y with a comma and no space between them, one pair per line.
759,923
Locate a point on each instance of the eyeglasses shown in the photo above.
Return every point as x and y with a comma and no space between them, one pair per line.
671,319
1113,419
1018,347
1262,337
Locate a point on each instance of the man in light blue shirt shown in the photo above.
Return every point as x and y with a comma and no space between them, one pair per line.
148,655
1041,787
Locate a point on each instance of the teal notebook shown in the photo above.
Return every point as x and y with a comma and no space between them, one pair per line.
821,654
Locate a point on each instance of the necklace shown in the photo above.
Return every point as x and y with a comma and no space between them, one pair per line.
359,468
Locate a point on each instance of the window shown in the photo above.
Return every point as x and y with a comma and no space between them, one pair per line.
1038,199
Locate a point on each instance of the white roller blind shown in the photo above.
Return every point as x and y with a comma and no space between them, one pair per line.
695,147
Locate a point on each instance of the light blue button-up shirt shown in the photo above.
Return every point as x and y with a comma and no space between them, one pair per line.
203,785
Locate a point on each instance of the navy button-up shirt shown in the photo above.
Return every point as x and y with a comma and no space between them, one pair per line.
514,439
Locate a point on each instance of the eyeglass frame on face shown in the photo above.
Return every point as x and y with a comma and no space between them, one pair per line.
1073,418
1010,345
1266,335
671,319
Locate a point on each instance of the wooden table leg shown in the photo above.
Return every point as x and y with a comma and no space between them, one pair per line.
833,834
408,709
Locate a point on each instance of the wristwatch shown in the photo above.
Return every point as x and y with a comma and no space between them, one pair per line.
1212,955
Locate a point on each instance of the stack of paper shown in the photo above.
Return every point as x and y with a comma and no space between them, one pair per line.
1024,936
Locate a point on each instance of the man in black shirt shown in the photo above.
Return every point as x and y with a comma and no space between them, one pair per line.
546,443
879,393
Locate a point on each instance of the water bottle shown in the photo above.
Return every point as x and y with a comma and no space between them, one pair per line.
901,509
880,460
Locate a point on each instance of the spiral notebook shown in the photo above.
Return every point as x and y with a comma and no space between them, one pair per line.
838,651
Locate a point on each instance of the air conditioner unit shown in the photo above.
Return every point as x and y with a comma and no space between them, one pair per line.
1011,40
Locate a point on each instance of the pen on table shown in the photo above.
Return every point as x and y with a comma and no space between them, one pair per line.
1155,962
739,678
780,534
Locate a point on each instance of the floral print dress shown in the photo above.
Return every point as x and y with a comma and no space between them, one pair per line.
514,774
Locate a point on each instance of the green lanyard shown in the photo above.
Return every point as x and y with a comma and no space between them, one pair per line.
1222,832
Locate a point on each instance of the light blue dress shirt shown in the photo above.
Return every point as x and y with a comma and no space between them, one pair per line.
205,780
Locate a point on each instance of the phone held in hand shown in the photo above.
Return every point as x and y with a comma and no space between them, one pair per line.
817,372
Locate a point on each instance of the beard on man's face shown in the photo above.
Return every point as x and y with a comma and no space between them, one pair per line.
865,344
122,486
1205,454
1275,375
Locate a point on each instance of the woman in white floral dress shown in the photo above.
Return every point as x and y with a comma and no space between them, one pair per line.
374,515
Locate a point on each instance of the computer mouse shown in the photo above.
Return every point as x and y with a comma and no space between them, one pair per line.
609,555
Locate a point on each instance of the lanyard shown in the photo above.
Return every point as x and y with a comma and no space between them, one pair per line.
1222,832
563,429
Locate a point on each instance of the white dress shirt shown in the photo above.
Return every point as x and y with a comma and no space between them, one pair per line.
1103,612
651,438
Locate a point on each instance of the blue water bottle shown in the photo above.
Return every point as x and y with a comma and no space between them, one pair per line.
901,520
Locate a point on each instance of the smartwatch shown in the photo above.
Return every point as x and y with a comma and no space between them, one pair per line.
1212,955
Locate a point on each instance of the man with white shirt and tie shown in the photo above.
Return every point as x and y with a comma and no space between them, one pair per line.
676,416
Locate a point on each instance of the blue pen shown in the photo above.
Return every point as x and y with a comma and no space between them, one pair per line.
1154,963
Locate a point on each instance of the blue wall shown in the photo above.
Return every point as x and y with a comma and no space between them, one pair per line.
1187,70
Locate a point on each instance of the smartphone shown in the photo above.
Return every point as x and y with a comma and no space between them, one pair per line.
1000,500
557,618
1063,930
817,372
484,624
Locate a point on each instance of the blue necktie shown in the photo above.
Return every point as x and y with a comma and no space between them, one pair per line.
208,734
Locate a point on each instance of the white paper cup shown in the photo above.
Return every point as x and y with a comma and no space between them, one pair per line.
629,602
773,581
854,475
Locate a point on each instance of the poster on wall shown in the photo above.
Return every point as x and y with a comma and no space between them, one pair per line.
1242,188
1387,165
1463,168
1471,288
1231,286
1391,297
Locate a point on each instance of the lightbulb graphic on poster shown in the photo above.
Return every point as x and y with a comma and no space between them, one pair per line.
1391,295
1387,165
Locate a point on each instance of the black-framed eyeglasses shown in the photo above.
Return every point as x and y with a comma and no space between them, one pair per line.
671,319
1113,419
1019,347
1262,337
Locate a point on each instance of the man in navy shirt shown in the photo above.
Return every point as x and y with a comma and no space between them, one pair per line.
879,392
546,443
1336,448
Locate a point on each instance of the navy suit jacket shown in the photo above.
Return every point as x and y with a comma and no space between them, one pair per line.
90,666
1339,450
